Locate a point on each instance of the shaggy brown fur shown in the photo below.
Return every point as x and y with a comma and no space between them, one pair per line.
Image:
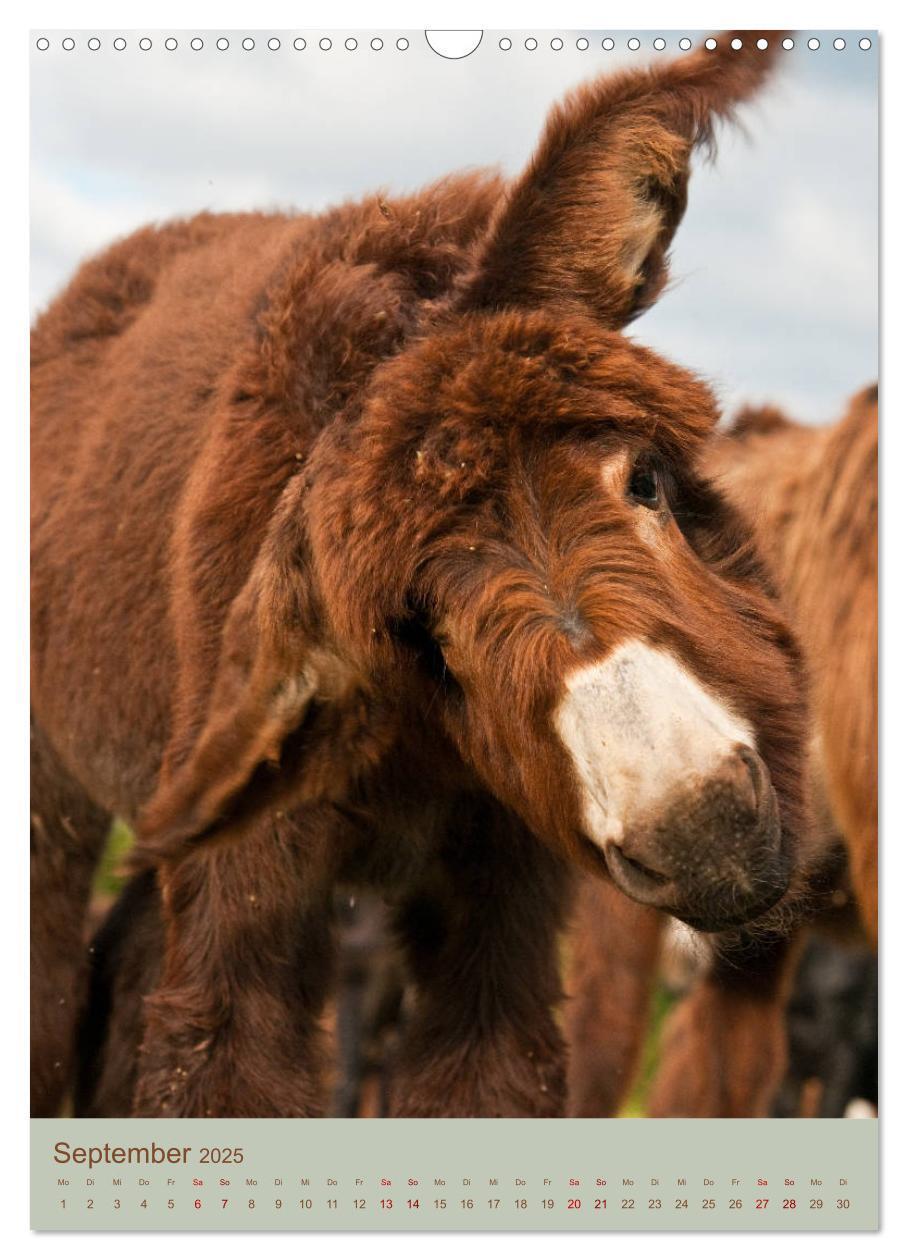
320,531
811,496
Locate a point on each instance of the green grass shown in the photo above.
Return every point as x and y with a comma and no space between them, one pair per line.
109,878
662,1003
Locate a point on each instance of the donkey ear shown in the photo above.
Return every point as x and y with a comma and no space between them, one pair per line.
591,219
269,675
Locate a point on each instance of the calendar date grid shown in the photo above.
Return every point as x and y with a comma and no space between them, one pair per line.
317,1195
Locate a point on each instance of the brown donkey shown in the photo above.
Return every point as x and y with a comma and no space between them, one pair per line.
367,549
811,496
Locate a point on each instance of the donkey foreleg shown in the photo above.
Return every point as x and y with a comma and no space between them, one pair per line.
482,945
233,1028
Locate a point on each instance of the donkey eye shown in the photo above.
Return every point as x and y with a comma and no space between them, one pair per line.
643,486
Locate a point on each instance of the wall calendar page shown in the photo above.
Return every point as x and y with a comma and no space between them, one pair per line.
454,630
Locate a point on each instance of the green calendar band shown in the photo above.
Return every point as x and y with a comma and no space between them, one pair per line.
454,1174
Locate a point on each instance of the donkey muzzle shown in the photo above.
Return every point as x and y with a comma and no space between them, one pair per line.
713,854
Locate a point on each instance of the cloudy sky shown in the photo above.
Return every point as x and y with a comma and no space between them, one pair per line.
775,265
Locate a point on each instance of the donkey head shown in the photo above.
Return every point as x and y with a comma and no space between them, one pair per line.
512,539
519,524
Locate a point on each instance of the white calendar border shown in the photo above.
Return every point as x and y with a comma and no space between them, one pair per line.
104,14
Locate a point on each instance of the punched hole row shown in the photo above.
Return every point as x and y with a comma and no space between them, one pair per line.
351,44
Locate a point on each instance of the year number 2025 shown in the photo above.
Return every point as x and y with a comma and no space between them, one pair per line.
221,1155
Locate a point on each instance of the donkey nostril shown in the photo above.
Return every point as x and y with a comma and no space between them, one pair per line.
621,863
655,877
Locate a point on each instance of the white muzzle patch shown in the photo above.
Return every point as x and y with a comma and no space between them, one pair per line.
639,728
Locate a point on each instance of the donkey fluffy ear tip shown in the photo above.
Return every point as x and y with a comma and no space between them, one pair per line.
723,72
748,55
729,44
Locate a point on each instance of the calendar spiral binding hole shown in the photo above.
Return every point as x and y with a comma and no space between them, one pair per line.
352,43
